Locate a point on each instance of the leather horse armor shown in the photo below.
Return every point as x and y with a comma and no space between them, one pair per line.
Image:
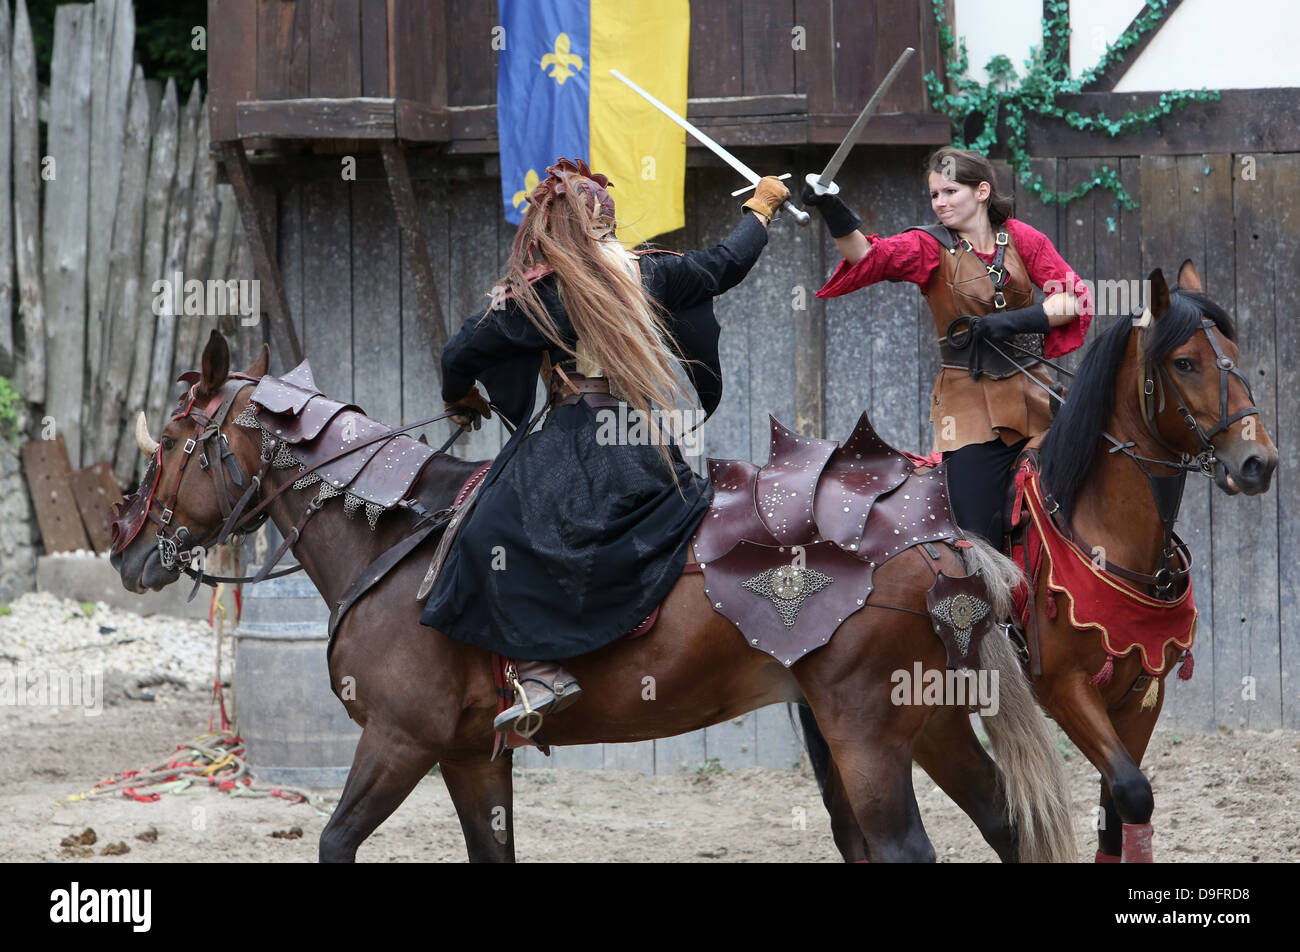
313,427
788,550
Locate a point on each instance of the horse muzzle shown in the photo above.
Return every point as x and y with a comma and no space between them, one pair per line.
1252,476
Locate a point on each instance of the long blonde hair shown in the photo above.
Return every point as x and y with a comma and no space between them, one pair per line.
567,227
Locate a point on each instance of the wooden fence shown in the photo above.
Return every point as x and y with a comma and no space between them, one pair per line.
119,194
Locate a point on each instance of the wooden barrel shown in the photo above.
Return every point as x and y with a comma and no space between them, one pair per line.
296,732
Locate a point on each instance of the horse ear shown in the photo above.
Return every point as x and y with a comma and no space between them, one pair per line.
216,364
1158,300
261,365
1188,279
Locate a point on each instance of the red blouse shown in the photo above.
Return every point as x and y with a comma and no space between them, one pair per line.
914,256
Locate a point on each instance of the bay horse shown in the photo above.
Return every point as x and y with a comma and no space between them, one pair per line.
1153,400
422,698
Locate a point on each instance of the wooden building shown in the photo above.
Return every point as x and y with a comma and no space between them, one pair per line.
366,277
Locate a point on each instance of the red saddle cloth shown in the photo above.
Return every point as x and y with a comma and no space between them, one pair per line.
1126,619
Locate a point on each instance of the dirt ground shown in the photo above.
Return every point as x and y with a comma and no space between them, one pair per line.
1225,797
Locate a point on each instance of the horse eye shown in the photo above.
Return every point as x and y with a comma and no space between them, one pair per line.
168,443
1183,364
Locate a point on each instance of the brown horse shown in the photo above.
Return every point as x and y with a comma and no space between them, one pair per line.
1153,400
424,699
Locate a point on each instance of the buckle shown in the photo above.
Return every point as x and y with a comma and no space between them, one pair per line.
1001,238
166,517
998,271
189,446
999,301
203,461
1150,387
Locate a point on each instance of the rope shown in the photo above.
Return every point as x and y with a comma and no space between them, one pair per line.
217,757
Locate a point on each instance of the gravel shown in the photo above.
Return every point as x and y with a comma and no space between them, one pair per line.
45,632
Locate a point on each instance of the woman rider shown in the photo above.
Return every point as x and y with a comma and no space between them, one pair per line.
579,531
976,262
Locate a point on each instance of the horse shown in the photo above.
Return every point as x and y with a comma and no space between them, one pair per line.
424,699
1154,399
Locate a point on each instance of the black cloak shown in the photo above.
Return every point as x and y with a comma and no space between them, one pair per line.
574,540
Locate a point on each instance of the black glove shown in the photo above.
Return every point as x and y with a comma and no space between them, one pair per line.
840,219
1002,325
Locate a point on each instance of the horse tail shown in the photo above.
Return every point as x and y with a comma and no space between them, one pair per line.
1033,776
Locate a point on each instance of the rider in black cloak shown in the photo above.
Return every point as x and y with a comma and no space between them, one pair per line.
581,527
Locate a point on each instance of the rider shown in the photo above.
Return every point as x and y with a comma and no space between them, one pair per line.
580,529
977,262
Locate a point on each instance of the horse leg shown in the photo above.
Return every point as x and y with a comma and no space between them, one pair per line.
869,737
844,824
1134,727
1081,713
482,793
385,769
950,753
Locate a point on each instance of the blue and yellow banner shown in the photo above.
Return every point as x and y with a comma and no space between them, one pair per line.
556,98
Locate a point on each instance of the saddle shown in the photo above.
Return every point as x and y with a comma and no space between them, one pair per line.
313,428
788,550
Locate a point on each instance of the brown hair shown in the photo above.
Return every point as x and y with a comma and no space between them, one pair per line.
970,168
568,228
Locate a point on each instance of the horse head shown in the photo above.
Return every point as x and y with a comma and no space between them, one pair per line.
199,466
1195,399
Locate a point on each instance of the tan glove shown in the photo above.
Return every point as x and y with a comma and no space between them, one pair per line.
470,410
768,196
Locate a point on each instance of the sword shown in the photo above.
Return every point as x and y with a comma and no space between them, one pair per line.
824,184
798,214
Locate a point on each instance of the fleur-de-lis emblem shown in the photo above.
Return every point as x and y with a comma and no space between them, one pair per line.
530,183
562,63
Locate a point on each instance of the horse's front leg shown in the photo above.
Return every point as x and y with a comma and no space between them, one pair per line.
1080,711
385,769
483,794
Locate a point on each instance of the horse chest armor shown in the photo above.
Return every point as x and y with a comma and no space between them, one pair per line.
788,549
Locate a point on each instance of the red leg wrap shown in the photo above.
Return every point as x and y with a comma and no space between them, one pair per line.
1137,843
1105,858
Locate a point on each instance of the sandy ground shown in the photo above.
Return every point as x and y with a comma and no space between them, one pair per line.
1225,797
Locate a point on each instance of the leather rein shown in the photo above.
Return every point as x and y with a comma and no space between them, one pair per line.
1166,491
178,549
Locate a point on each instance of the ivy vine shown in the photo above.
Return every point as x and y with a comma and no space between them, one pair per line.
11,402
1013,99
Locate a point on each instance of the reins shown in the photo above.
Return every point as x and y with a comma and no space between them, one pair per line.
175,550
1166,491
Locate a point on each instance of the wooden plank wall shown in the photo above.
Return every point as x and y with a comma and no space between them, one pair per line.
358,315
121,194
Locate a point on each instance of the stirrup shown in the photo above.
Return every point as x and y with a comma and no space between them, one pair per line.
530,722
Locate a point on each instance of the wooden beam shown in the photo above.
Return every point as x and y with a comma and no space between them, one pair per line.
1108,78
357,117
408,217
1244,120
265,265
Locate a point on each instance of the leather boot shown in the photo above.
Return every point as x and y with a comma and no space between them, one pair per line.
548,688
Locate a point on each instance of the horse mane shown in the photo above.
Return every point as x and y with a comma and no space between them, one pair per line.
1071,442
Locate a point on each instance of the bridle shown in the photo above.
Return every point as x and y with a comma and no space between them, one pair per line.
1153,403
1166,490
176,543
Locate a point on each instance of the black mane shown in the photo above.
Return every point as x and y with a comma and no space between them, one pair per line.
1071,443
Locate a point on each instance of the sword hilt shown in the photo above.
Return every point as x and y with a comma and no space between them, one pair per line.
801,217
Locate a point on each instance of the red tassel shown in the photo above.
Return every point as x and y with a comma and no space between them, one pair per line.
1049,605
1185,669
1102,677
1105,858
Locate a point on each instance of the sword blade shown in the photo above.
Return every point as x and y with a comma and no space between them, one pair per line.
750,175
841,153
